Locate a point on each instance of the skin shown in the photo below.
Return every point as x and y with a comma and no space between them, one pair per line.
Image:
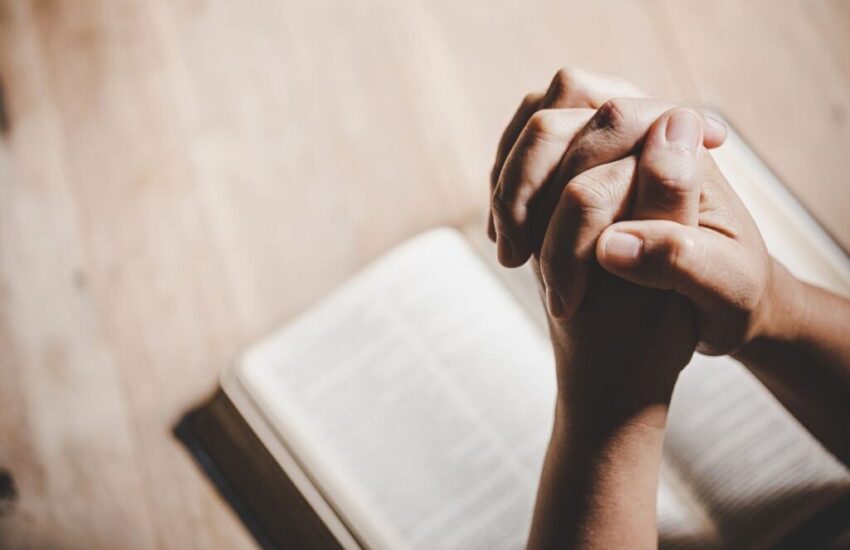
627,218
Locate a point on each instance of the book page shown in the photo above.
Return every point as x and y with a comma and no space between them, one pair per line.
420,399
683,521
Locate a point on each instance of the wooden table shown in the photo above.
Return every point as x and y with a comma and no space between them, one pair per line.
177,178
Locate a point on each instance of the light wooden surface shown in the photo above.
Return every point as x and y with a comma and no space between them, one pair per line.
177,178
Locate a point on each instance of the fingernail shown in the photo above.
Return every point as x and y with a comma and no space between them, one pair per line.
505,250
683,130
622,249
554,304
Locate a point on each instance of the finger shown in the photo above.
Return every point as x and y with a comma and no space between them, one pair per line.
667,255
569,88
527,108
619,127
533,160
615,131
592,201
668,186
577,88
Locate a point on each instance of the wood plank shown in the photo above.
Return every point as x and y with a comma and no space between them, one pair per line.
72,449
119,479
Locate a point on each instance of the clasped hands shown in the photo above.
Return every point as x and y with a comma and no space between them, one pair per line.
644,254
643,250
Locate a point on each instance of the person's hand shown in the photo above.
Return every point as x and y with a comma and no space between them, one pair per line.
569,88
717,258
689,232
644,251
731,304
619,354
546,145
791,335
625,341
615,370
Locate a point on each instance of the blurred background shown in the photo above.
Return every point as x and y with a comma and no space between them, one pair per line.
178,178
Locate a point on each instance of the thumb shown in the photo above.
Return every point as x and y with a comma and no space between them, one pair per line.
668,173
664,254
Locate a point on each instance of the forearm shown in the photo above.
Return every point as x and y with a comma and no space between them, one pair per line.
803,357
600,480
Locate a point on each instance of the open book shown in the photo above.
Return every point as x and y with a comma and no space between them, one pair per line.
412,408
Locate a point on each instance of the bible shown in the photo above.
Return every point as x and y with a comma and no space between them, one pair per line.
412,408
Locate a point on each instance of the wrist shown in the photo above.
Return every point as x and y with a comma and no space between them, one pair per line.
597,443
606,393
783,308
600,418
598,489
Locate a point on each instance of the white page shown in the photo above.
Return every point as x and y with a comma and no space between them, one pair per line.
420,398
683,522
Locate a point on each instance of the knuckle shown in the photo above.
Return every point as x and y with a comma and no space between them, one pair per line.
507,211
610,116
565,84
544,123
564,78
667,182
672,189
579,156
585,192
529,101
675,185
677,253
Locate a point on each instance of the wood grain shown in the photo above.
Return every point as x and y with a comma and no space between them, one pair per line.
178,178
